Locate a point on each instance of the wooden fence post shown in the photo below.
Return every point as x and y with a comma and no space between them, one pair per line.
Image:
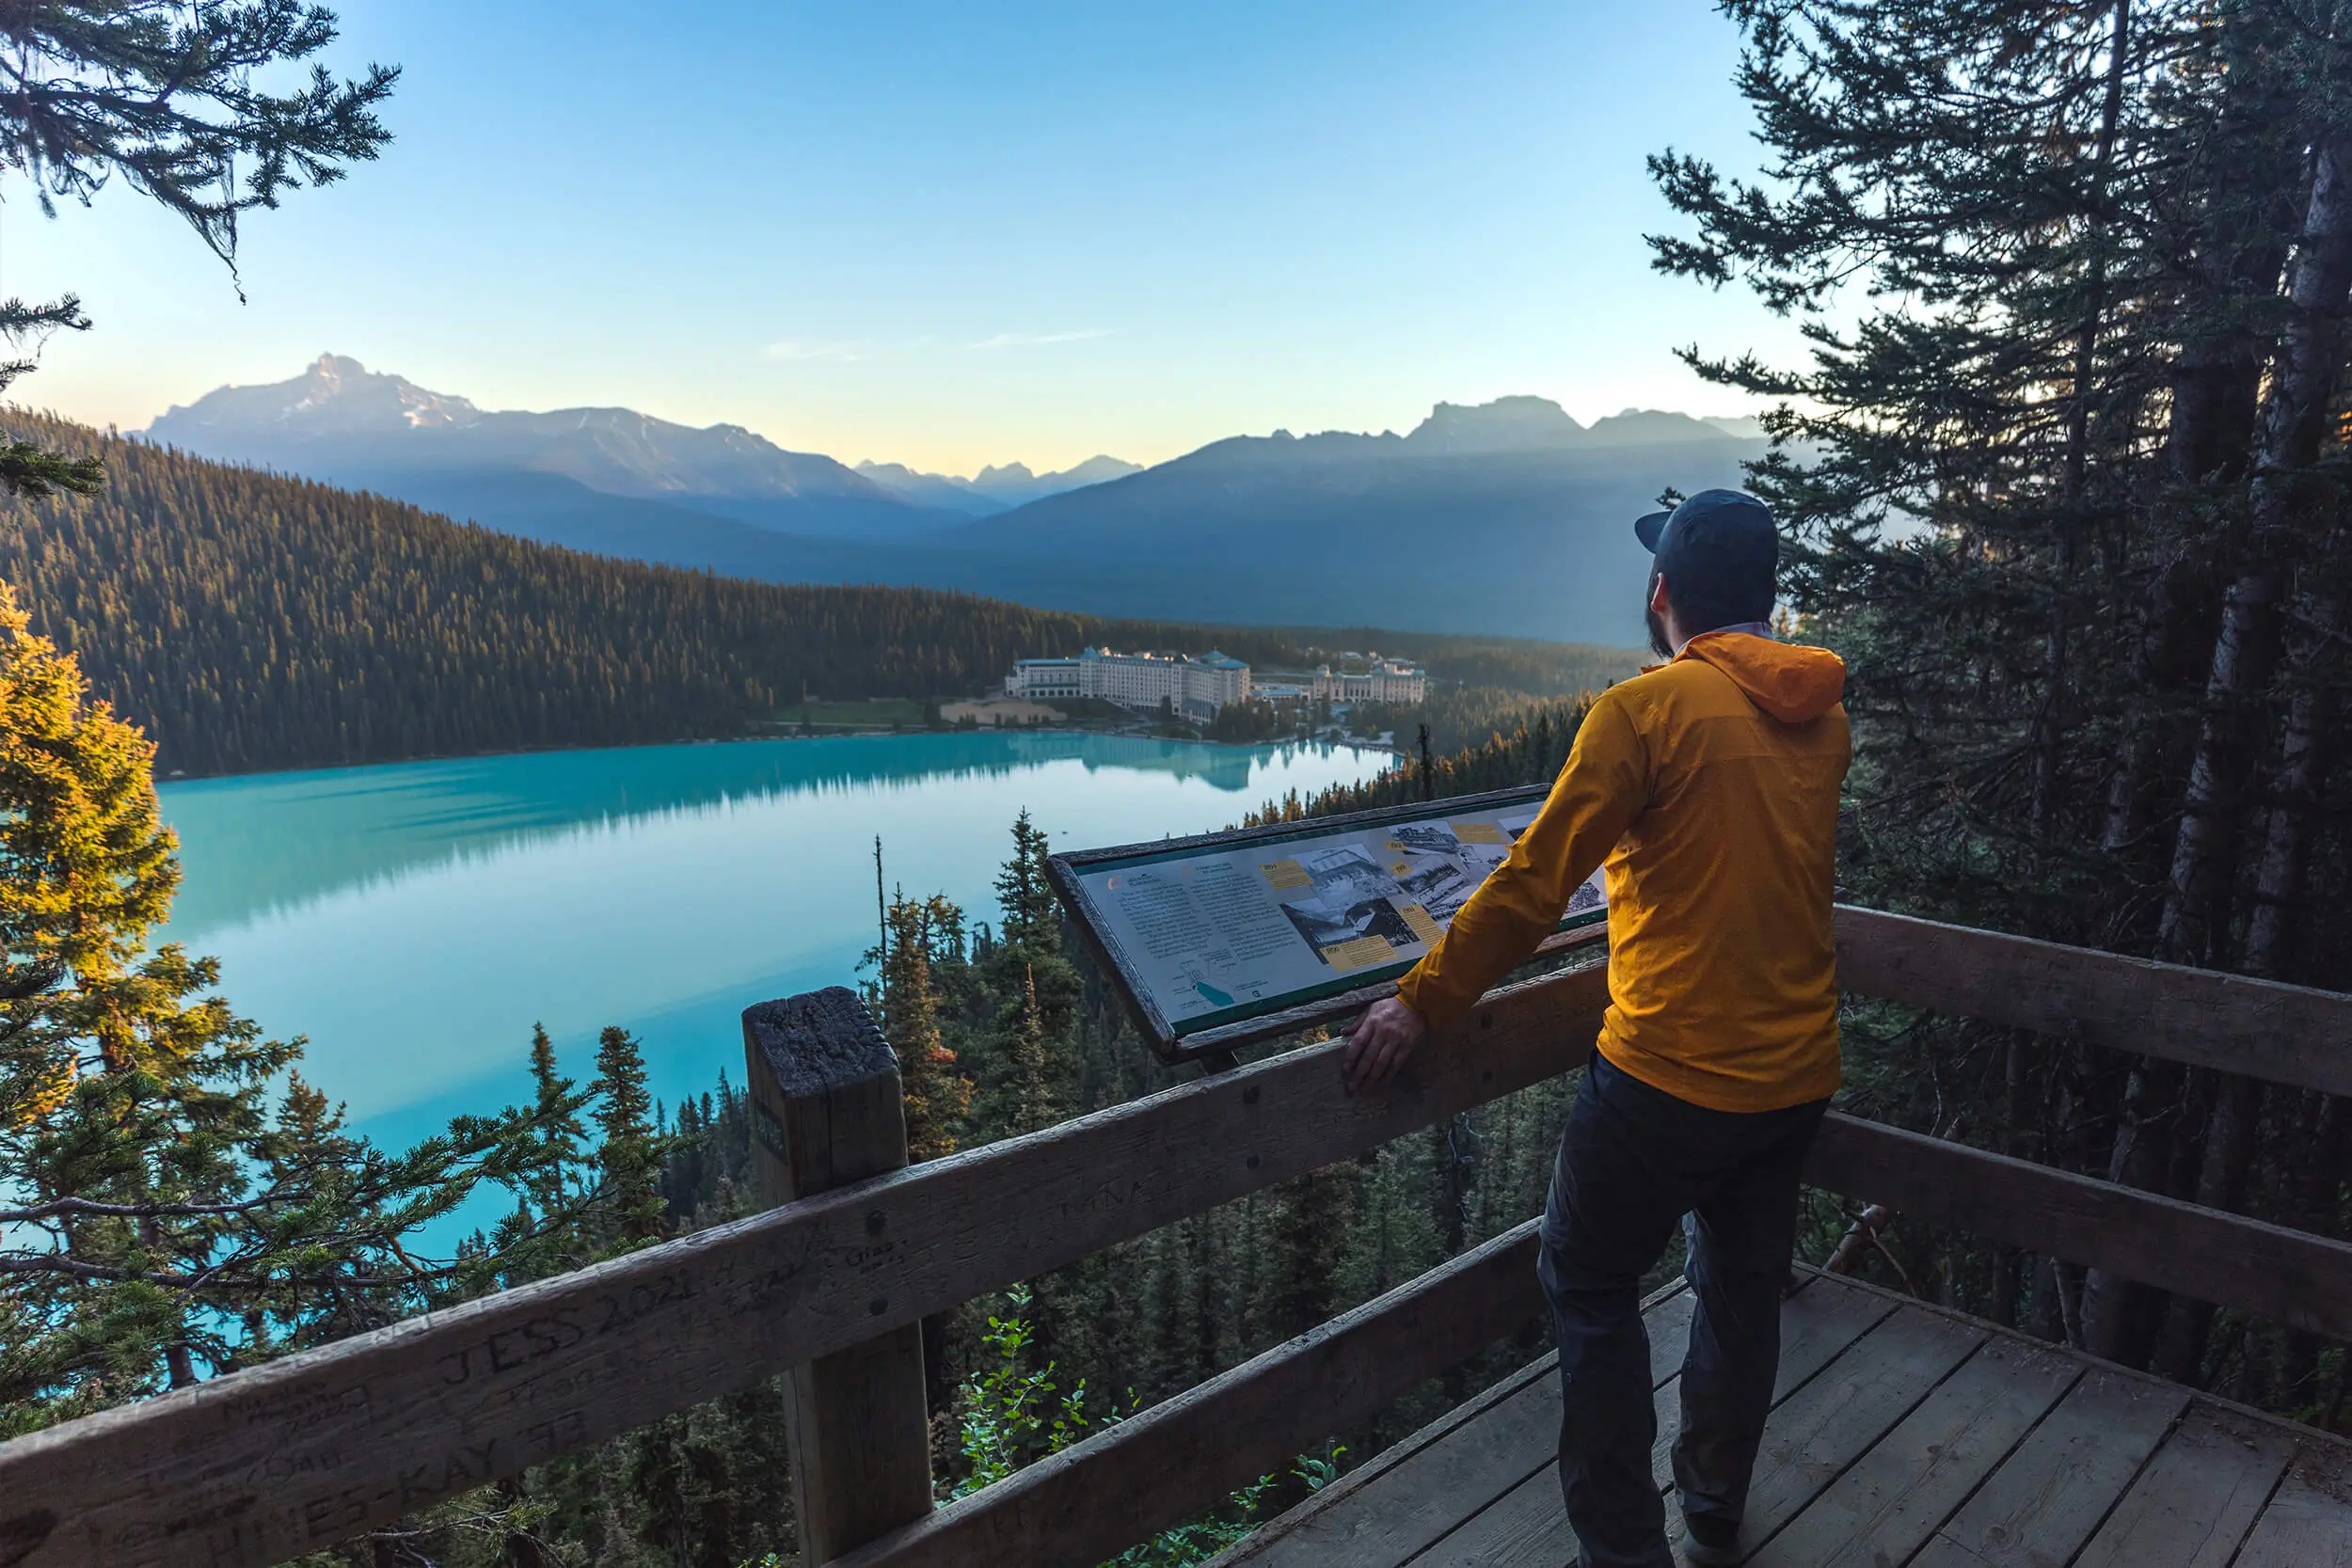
825,1112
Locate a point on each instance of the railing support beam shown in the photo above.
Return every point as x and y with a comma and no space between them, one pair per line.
1180,1458
826,1111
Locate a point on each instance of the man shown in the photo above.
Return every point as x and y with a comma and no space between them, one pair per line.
1708,786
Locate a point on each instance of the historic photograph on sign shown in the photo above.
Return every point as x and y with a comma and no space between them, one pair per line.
1352,917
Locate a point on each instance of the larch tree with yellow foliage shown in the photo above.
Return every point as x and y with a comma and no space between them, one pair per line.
175,1201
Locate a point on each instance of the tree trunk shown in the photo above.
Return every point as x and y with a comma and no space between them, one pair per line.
2306,753
2246,651
2316,1166
2217,383
2214,381
2049,751
2269,954
2169,625
2118,1317
2196,910
2228,1154
2006,1278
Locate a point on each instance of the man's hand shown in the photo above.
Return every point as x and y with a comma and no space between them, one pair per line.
1382,1041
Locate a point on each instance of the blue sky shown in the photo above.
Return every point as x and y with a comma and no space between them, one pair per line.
955,234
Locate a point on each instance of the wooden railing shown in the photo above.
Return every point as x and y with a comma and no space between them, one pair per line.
289,1457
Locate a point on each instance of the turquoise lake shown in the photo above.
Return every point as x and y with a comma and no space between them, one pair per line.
414,920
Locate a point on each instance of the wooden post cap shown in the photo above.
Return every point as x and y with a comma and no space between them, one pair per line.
817,1040
827,1110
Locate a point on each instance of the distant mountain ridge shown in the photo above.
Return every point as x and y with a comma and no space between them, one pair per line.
1507,517
338,402
1510,523
993,488
343,422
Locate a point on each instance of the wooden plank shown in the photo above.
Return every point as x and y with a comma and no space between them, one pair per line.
827,1110
1528,1526
1832,1420
2301,1280
2193,1504
1415,1493
1816,1324
1181,1457
2050,1494
2308,1523
1884,1508
1819,1322
1524,1528
291,1457
2285,1034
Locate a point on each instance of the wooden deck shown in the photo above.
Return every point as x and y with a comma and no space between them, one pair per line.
1900,1434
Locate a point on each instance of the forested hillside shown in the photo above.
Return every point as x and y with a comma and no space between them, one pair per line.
249,621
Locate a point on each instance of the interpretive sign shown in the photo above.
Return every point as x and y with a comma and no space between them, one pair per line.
1229,927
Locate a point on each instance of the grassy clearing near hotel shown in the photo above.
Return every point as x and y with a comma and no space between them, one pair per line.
861,713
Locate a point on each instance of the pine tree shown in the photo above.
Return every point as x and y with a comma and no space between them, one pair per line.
556,1145
1025,1049
1029,917
1310,1238
936,1094
629,1147
1027,1062
547,1231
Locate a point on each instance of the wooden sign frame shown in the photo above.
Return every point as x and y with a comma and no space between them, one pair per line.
1180,1040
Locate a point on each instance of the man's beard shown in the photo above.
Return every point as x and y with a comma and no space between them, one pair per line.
1659,643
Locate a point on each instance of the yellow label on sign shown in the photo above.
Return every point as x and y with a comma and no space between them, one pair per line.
1359,954
1421,924
1479,832
1286,875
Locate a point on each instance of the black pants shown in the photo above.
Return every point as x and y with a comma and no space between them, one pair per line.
1632,1162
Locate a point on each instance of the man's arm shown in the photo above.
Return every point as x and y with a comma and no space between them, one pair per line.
1596,799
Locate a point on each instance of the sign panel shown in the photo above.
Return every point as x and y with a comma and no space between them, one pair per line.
1230,927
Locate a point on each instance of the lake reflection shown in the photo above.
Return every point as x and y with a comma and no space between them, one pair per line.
414,920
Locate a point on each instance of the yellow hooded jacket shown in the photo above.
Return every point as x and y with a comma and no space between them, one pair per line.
1709,789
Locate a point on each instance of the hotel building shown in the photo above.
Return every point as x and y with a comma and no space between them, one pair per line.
1387,680
1195,687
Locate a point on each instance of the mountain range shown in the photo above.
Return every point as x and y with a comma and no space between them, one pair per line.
995,488
1501,519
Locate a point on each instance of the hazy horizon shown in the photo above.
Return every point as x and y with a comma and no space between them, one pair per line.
912,234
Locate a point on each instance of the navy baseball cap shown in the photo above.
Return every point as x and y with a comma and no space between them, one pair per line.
1730,525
